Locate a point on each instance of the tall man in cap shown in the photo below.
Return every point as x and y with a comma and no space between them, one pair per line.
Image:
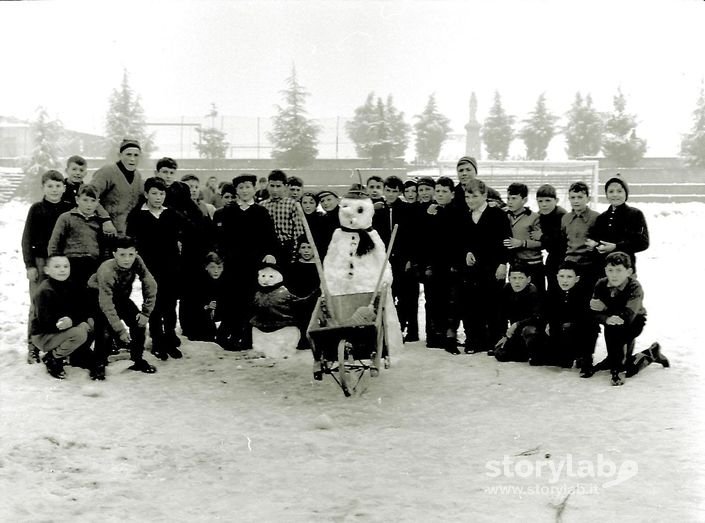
467,170
119,186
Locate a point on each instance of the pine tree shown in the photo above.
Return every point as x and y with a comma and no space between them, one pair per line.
539,130
398,129
211,140
294,136
125,119
693,144
583,131
497,132
358,129
431,128
46,134
620,143
378,131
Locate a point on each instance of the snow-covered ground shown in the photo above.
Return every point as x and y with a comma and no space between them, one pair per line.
217,437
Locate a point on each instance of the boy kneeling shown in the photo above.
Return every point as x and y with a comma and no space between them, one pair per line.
521,309
617,302
114,280
60,323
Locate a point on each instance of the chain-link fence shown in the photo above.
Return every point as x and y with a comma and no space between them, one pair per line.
247,136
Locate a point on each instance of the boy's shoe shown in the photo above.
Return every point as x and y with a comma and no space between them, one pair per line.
655,350
411,338
173,352
32,354
160,354
143,366
55,366
490,352
587,373
617,379
98,372
172,339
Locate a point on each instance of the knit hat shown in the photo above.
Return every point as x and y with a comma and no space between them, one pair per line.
326,192
621,181
356,191
410,183
467,159
426,180
127,143
245,177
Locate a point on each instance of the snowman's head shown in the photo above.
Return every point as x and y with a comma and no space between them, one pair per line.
356,209
269,275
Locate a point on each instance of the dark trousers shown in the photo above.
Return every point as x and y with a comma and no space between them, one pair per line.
568,342
441,297
162,321
620,342
480,311
127,311
405,289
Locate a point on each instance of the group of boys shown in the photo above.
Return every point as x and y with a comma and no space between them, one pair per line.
85,244
481,263
92,240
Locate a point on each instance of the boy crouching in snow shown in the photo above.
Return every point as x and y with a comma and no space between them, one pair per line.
59,323
114,281
617,302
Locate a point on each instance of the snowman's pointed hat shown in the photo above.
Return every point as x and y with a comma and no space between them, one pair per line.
357,191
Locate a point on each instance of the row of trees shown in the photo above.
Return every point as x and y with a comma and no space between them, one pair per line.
379,131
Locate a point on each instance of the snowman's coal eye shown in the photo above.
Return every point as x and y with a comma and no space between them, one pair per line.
360,210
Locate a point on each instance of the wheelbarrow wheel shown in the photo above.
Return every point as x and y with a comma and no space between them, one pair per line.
343,374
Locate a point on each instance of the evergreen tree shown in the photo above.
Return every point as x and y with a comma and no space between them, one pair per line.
294,136
497,132
358,129
378,131
539,130
211,140
45,153
583,131
125,119
431,128
398,129
620,143
693,144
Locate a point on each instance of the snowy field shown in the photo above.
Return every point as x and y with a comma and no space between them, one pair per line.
217,437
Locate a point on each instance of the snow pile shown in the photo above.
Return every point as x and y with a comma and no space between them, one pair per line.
217,436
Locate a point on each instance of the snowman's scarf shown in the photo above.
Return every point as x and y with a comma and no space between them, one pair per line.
366,244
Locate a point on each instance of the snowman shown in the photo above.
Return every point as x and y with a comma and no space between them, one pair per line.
356,256
274,327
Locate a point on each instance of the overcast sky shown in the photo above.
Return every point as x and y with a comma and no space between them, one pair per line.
181,56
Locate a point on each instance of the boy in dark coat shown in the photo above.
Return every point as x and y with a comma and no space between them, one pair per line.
75,173
570,326
245,238
60,322
521,310
202,307
395,212
440,261
158,233
621,227
38,226
549,234
617,303
485,269
120,317
304,281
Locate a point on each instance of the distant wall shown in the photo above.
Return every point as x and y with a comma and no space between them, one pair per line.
657,180
336,175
